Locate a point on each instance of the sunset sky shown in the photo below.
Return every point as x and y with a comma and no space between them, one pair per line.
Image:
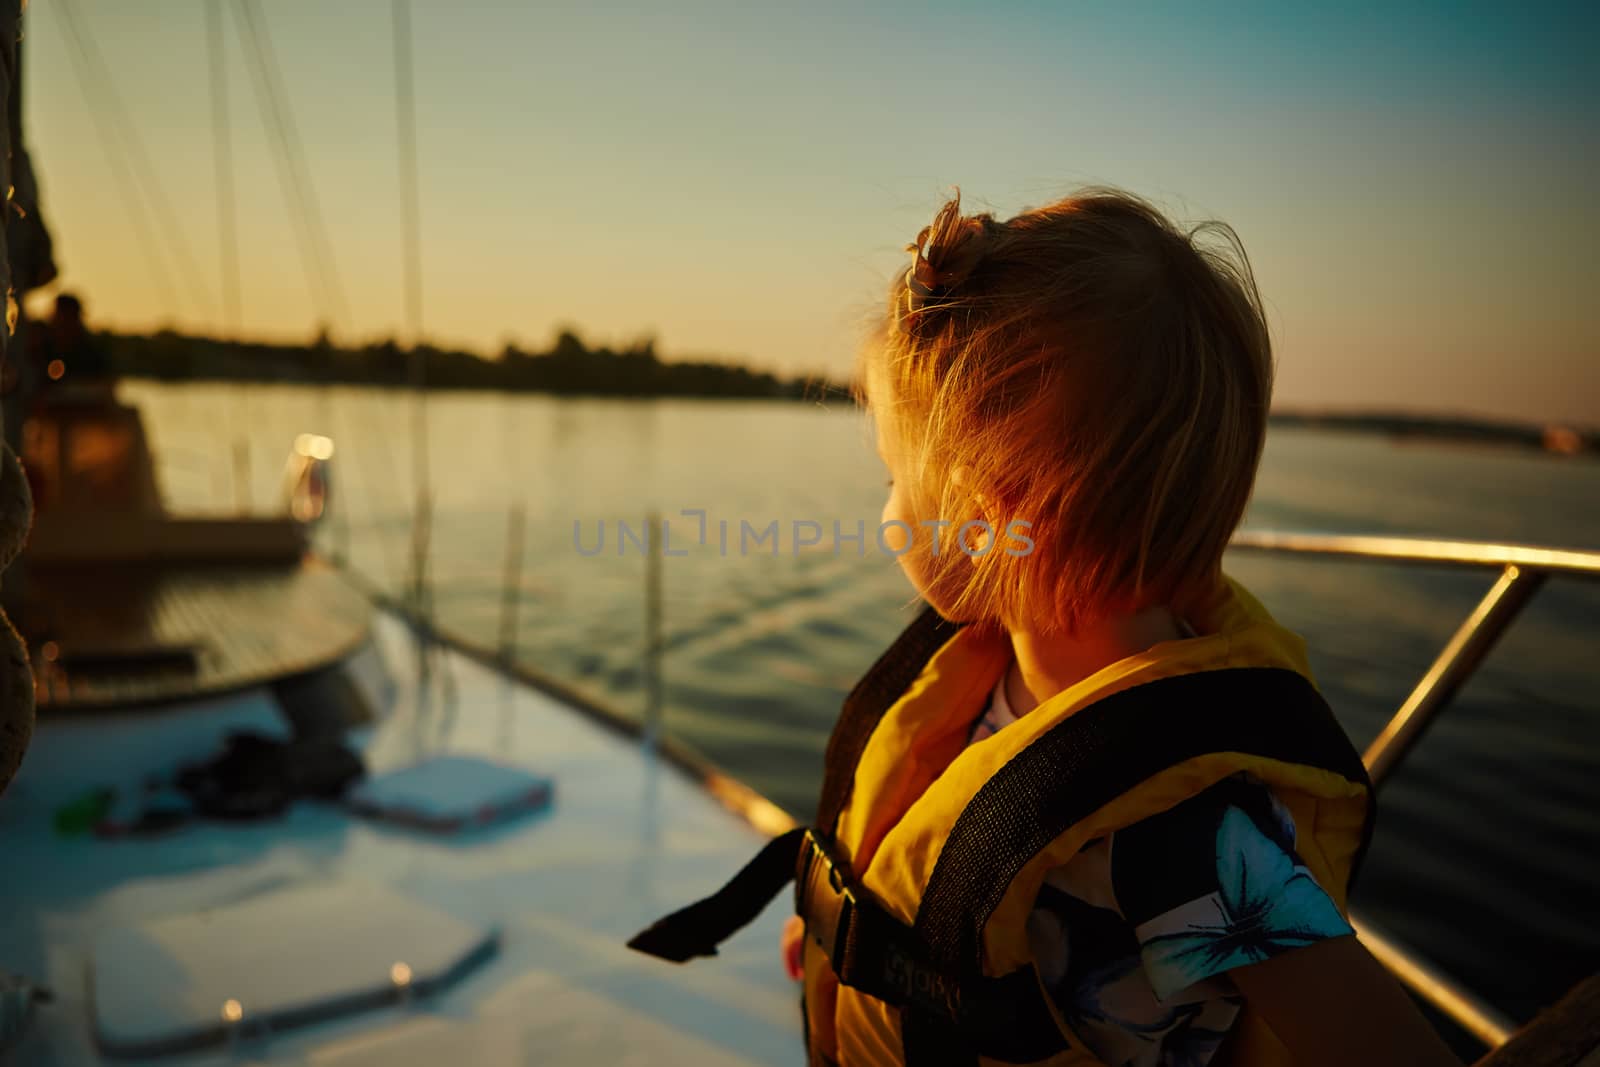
1416,189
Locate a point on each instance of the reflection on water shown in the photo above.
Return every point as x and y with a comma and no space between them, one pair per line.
1487,853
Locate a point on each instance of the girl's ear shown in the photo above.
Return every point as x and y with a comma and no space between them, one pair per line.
959,497
978,506
978,542
978,499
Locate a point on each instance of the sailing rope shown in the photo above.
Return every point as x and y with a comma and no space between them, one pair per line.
411,279
93,72
421,593
228,239
111,146
222,149
294,175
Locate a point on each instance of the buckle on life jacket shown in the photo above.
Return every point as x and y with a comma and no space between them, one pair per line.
868,949
824,897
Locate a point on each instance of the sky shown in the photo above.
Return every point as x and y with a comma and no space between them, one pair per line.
1415,185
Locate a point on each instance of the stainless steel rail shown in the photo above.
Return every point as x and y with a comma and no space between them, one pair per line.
1477,554
1523,570
1471,1014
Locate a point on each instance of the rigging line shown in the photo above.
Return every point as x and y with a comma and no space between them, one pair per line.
411,229
271,82
168,224
111,147
299,192
288,186
301,161
222,149
227,236
406,137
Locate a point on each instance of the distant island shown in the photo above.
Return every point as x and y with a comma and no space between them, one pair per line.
571,367
1559,439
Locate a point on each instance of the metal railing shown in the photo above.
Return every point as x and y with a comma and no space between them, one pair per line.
1523,570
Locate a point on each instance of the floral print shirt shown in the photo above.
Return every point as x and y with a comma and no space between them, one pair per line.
1135,934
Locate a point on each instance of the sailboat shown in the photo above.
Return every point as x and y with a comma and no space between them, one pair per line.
124,601
474,908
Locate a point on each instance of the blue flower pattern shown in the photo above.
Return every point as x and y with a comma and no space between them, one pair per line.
1266,903
1145,989
1134,936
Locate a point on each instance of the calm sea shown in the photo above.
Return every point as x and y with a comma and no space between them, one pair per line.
1487,858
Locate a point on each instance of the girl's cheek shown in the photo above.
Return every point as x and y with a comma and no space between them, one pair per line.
897,524
896,538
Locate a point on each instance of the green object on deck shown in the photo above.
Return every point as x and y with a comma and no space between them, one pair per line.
80,816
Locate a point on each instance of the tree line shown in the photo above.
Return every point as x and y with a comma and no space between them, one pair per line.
572,367
569,366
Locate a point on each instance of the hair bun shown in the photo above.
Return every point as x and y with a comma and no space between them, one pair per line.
942,257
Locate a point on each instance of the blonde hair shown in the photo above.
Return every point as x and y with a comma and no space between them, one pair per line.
1091,369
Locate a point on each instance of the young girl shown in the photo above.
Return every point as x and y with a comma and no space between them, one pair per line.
1090,807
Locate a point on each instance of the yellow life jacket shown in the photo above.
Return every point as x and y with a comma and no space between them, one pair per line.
917,881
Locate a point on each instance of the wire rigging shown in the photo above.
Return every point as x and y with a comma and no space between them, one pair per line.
222,149
111,147
94,71
294,175
406,139
411,279
228,237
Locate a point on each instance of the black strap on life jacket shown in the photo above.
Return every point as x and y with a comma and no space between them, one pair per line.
933,971
882,685
697,929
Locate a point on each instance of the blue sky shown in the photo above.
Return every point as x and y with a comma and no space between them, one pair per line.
1414,184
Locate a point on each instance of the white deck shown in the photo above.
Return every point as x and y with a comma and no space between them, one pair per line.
626,840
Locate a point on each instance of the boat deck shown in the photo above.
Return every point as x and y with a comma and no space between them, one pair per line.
627,839
111,636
